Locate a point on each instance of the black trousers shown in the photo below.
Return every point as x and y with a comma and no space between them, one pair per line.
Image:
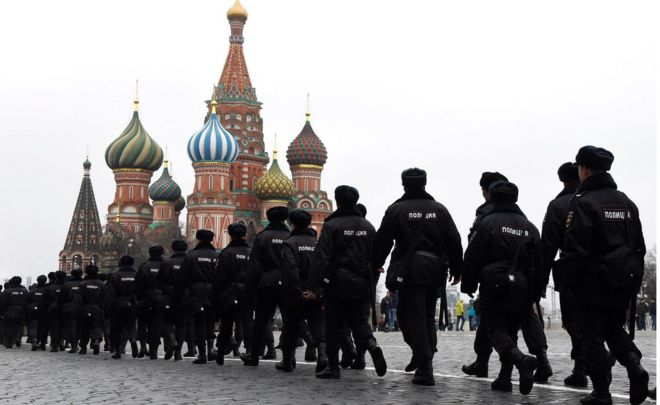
605,325
356,314
122,321
267,301
295,312
150,328
55,328
203,323
416,317
502,328
572,321
346,343
91,327
11,330
173,327
70,332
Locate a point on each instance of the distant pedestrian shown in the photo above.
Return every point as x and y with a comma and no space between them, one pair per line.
460,319
471,315
391,317
652,313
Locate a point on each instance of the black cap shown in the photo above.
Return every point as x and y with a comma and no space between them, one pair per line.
277,214
51,275
16,280
237,230
594,158
300,218
42,279
503,192
126,261
156,251
413,178
362,209
568,172
204,235
488,178
60,275
91,269
179,245
346,195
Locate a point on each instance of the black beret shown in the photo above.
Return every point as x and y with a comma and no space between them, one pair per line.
568,172
346,195
156,250
204,235
126,261
41,280
594,158
362,209
277,214
237,230
60,275
76,272
503,192
300,218
91,269
488,178
413,178
179,245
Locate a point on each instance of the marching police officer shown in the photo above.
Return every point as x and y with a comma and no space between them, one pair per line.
552,236
230,287
426,237
297,252
501,257
71,308
150,301
55,319
197,272
121,300
266,275
169,277
602,263
36,312
12,308
92,294
342,272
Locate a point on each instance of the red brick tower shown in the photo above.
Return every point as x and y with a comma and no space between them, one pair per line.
238,110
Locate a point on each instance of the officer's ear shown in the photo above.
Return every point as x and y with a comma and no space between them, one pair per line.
486,194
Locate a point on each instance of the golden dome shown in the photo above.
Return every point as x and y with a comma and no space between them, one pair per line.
274,185
237,12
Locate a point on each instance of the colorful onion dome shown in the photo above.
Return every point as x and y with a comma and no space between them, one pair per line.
237,12
274,185
165,189
134,148
306,148
213,142
180,204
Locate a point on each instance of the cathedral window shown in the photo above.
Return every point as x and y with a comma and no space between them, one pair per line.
210,183
248,118
130,192
238,117
227,116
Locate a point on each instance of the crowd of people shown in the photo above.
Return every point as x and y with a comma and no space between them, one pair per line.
324,286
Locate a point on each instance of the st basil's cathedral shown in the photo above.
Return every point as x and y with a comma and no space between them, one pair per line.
232,180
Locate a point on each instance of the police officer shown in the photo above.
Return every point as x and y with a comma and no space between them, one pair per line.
602,264
71,308
150,300
197,272
501,257
342,272
426,237
297,252
169,276
266,277
552,236
532,330
229,286
92,294
12,308
121,292
36,306
55,319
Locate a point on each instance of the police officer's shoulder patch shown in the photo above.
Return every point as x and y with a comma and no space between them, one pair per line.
569,218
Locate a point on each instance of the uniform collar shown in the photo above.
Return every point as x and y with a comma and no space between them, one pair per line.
597,181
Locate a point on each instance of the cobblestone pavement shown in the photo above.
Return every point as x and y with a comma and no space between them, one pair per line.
43,377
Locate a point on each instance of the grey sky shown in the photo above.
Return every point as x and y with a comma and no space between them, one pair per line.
456,88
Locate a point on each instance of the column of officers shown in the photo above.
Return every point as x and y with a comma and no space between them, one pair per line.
325,286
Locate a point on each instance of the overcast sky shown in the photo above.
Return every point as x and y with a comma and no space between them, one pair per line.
456,88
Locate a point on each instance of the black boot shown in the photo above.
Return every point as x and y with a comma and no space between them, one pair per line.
377,357
211,353
250,359
287,363
117,353
35,347
503,380
322,361
526,366
83,349
74,348
220,357
169,352
412,365
143,350
177,353
358,362
424,373
478,369
543,369
96,347
201,358
577,378
347,358
310,353
134,349
271,354
601,393
639,378
153,352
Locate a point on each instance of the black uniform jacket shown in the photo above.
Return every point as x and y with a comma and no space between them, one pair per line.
169,278
71,297
92,292
266,256
481,211
54,296
197,274
37,301
297,252
500,234
552,233
600,220
341,266
12,302
232,266
146,279
121,289
418,223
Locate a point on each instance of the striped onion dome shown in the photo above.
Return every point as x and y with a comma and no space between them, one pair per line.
274,185
165,189
180,204
134,148
213,142
306,148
